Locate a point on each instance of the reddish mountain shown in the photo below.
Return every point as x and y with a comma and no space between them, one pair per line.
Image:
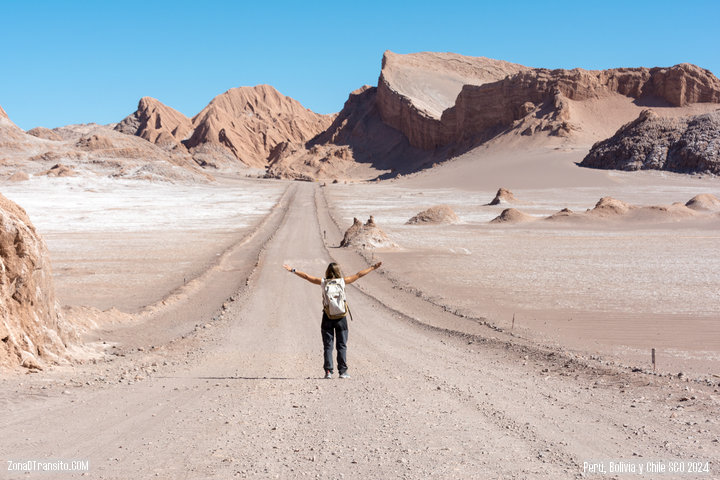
249,122
156,123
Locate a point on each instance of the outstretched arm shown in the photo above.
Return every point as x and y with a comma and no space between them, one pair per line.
362,273
304,275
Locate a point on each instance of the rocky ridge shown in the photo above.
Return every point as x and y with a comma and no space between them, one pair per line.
488,104
428,107
249,122
92,150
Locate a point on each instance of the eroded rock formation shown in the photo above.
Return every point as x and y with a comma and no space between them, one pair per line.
249,122
157,123
32,331
367,235
686,145
414,94
503,197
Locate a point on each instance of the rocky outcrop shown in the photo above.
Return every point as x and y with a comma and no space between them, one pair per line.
441,99
2,113
503,197
157,123
415,89
685,145
499,104
249,122
367,235
46,133
438,214
32,331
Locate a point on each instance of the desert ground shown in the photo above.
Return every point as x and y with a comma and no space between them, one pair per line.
149,330
619,287
217,373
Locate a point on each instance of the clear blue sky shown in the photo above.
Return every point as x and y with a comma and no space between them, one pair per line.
91,61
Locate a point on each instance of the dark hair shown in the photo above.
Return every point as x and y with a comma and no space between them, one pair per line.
333,271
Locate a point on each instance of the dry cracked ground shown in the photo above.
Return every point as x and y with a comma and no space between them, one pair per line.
226,383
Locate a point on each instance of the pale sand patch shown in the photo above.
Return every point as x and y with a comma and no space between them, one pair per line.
128,244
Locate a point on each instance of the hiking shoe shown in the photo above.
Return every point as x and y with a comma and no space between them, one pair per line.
344,375
328,374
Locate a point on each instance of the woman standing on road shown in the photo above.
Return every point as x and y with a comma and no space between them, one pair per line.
334,320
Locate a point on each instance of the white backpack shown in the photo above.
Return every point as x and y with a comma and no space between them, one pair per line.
334,302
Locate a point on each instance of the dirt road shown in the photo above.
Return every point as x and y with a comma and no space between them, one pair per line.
236,391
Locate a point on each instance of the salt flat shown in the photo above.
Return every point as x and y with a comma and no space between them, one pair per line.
127,243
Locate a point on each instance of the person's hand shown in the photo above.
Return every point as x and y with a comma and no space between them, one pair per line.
288,268
377,265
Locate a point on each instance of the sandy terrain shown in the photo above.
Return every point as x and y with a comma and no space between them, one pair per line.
563,282
479,350
126,244
225,389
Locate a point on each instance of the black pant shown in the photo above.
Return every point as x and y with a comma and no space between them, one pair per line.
337,329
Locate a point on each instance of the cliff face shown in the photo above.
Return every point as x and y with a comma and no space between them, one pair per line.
249,122
685,145
156,123
440,99
415,89
31,329
499,104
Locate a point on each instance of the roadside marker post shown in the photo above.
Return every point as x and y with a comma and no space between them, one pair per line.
653,359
